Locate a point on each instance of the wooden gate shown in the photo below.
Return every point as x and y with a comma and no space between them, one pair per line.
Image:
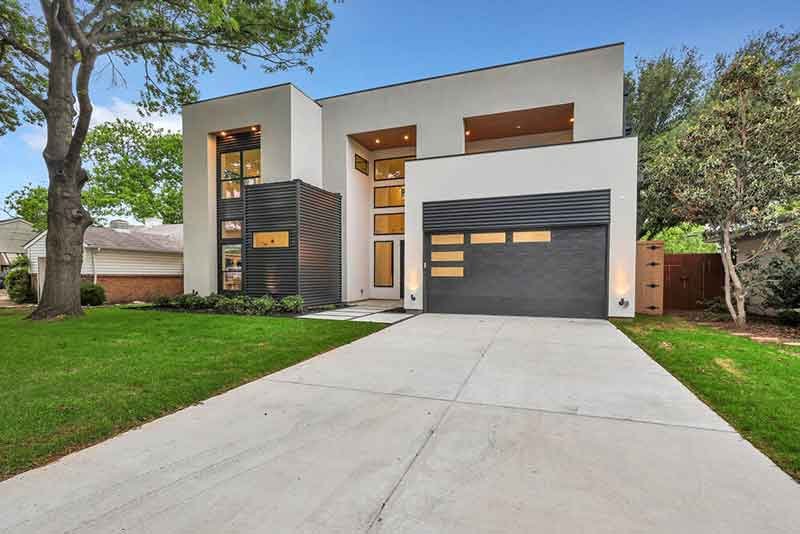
691,279
650,277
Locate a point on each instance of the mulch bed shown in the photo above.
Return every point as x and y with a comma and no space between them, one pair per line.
758,326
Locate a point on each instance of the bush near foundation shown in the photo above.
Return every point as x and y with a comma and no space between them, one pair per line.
234,304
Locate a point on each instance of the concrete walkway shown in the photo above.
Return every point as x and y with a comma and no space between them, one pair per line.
439,424
371,311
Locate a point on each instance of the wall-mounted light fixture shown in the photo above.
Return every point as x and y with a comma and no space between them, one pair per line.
413,298
623,302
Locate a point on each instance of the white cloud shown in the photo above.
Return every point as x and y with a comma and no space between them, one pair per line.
36,136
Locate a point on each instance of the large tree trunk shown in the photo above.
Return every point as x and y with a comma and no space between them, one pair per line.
734,290
67,220
66,224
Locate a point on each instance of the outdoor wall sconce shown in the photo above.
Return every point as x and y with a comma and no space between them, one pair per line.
413,298
623,302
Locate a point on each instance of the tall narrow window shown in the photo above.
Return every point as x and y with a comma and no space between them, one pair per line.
231,267
384,263
231,229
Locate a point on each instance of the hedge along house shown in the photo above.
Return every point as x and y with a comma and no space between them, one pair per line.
506,190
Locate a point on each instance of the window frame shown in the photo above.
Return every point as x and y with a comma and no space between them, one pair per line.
375,262
230,240
375,167
375,226
242,180
223,270
375,196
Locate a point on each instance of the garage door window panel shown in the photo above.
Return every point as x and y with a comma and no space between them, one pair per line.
447,239
487,238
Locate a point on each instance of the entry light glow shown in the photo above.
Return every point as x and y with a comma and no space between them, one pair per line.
377,141
405,137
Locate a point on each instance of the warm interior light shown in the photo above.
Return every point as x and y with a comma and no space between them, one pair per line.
254,128
223,134
518,126
572,119
405,137
467,132
377,141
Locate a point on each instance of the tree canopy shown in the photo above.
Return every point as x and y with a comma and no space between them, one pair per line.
736,165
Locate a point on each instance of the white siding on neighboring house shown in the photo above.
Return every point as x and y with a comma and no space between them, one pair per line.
121,262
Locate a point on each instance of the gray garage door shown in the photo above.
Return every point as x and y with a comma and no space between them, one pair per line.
540,255
559,272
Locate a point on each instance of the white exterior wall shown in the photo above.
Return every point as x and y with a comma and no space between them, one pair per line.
519,141
610,164
356,206
592,80
306,139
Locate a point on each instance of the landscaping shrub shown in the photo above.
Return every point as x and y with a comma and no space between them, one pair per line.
234,304
789,317
782,289
92,294
18,281
291,304
189,301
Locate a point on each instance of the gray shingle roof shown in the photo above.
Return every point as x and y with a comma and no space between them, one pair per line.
162,238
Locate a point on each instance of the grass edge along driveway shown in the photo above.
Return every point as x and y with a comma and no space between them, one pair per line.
753,386
68,384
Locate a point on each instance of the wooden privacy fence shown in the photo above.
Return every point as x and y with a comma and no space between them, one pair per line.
690,280
650,277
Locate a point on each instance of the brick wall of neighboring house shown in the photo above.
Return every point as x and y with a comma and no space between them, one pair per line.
122,288
127,288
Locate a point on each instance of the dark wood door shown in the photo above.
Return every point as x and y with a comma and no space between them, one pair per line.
690,280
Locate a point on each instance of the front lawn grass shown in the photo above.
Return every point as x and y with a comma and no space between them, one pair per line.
754,386
66,384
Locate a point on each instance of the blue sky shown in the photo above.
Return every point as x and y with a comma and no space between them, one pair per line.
374,43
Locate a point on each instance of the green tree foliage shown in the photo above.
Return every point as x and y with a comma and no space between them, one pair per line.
661,93
135,170
52,50
30,203
684,238
737,165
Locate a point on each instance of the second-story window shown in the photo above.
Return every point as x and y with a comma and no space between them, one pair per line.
236,168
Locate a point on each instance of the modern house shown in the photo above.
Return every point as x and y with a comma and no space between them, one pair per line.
14,233
504,190
131,262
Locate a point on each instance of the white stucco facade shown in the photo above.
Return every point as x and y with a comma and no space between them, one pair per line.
313,141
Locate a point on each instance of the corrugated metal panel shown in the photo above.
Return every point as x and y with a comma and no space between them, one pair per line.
320,252
239,141
269,208
524,211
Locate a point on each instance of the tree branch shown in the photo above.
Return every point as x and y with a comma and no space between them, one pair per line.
74,27
26,50
84,109
33,98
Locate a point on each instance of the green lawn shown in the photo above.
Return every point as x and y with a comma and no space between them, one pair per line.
70,383
755,387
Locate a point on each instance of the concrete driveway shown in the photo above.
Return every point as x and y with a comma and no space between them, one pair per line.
440,424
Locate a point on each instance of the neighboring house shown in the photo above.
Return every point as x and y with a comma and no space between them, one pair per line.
130,262
14,233
505,190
